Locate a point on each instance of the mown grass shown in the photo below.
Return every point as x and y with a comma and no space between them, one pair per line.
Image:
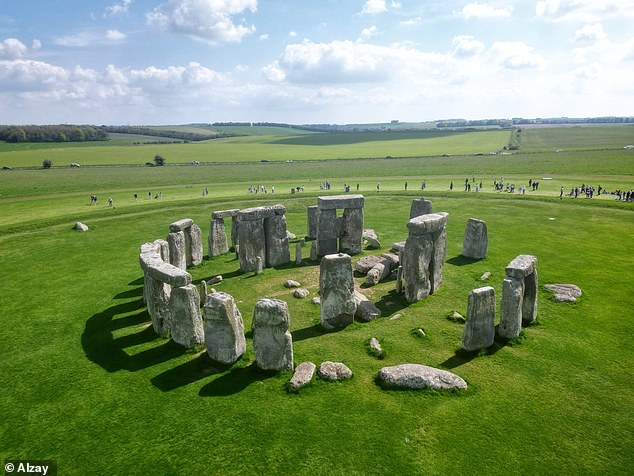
91,386
576,137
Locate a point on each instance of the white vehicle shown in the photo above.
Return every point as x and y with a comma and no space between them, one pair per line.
75,165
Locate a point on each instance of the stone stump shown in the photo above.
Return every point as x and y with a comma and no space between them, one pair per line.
224,328
475,243
519,296
419,207
479,329
186,322
312,223
424,255
178,255
336,288
272,341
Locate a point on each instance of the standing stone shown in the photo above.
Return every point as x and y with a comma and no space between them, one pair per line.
336,288
186,325
519,296
424,254
194,238
529,303
475,244
251,243
164,250
327,232
157,295
203,292
224,329
313,251
298,251
351,232
217,241
272,342
178,255
259,267
511,308
312,222
479,329
399,280
419,207
277,249
234,231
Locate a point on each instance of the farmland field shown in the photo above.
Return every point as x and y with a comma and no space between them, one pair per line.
577,138
87,382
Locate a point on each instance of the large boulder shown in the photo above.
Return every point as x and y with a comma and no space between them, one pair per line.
418,377
366,310
371,237
366,263
334,371
303,375
564,292
79,226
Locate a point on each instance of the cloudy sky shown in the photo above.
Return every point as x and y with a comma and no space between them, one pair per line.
310,61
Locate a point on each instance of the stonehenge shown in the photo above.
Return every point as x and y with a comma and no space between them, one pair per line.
479,329
312,223
475,243
336,288
272,342
339,234
419,207
217,240
424,254
185,244
262,232
519,296
224,328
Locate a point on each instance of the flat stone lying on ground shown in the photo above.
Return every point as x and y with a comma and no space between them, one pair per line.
366,310
290,283
380,272
375,347
301,293
334,371
79,226
398,247
371,237
303,375
366,263
564,292
485,276
316,300
419,377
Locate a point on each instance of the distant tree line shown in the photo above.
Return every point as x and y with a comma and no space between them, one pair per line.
182,135
476,123
576,120
52,133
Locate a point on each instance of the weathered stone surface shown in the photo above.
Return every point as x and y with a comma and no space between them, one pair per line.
291,283
186,322
298,251
421,332
216,279
217,240
157,296
371,237
521,266
511,308
203,292
529,303
277,249
316,300
569,289
418,377
252,243
234,232
340,201
312,222
272,342
419,207
79,226
303,375
290,236
378,273
301,293
194,240
259,266
351,231
375,347
327,232
163,249
485,276
178,255
479,329
475,243
225,213
399,280
159,270
398,247
258,213
334,371
313,251
366,263
366,310
393,259
181,225
336,288
224,328
456,317
424,255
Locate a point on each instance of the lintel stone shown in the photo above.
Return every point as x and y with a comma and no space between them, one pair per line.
340,201
522,266
429,223
181,225
225,213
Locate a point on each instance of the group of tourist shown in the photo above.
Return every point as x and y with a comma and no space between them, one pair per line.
324,185
260,188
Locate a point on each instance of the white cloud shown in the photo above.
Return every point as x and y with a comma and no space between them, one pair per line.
583,10
292,34
412,21
590,33
372,7
12,48
466,45
369,32
485,10
117,8
515,55
36,44
264,36
210,21
115,35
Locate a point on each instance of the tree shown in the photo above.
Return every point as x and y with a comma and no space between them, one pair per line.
46,163
158,160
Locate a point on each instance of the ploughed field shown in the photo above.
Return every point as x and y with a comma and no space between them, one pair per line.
89,384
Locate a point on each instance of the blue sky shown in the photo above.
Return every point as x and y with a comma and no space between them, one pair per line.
333,61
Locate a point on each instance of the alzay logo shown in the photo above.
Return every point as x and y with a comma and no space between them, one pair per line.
30,467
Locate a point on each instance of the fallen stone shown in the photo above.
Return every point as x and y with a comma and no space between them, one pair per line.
375,347
215,280
396,316
371,237
485,276
303,375
380,272
393,259
272,342
334,371
398,247
456,317
564,292
301,293
366,310
290,236
419,377
289,283
366,263
79,226
421,332
181,225
316,300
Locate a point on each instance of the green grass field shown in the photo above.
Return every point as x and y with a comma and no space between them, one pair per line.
88,384
576,137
